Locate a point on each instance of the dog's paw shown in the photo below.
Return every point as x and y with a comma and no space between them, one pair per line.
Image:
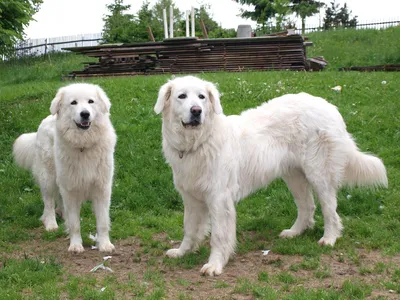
106,247
77,248
51,226
49,222
174,253
211,269
288,233
324,241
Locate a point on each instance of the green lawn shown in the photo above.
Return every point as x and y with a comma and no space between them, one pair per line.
146,206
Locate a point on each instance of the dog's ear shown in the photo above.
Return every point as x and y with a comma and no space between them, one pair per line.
213,95
105,101
163,97
56,103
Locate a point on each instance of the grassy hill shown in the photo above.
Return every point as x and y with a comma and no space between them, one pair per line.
349,47
147,212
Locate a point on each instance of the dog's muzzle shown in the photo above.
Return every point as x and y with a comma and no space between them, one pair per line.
85,123
195,117
192,123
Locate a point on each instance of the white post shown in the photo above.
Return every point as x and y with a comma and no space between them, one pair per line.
187,23
193,31
171,21
165,23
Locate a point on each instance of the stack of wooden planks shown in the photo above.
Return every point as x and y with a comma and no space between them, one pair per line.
192,55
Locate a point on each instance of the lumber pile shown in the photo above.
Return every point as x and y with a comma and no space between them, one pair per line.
192,55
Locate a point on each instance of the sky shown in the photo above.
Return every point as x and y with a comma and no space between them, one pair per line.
75,17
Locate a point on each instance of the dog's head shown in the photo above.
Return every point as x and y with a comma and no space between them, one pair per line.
189,101
80,104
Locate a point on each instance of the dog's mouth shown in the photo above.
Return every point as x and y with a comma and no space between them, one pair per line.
83,125
191,124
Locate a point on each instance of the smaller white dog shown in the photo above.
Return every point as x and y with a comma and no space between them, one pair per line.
71,155
218,160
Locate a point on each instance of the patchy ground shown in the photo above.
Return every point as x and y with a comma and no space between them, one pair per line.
137,271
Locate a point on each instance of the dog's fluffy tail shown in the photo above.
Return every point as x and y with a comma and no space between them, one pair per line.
24,150
365,170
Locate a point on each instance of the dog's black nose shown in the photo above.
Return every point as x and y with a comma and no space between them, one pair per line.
85,114
195,111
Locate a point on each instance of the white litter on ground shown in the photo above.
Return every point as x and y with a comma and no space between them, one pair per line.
265,252
101,266
92,237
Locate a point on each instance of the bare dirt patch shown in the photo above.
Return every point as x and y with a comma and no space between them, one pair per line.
130,259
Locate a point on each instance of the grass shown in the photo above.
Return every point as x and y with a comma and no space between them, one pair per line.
145,204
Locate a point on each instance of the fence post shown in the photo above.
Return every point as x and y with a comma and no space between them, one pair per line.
45,46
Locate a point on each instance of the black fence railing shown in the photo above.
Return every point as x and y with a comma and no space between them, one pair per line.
370,25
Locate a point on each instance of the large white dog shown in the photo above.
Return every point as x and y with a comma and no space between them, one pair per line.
71,155
218,160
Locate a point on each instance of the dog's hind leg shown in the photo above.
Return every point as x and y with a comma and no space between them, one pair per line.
196,226
332,223
303,196
50,194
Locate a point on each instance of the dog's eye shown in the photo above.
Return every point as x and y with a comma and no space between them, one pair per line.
201,96
182,96
74,102
91,101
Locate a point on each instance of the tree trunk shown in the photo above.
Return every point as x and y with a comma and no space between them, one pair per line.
303,25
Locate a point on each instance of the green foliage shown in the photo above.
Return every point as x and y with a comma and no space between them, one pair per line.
336,16
14,16
304,9
265,11
157,25
262,13
118,26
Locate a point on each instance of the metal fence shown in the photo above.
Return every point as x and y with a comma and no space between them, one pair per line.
360,25
48,45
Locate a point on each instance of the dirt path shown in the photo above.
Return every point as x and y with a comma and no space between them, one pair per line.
179,281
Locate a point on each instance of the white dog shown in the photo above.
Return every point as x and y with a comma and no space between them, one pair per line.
217,160
71,155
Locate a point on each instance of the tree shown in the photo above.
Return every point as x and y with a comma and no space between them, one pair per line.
143,19
282,9
304,9
119,27
14,16
343,17
214,30
263,11
338,17
158,21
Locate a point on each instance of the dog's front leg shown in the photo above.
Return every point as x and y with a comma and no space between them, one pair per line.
101,205
223,234
72,207
196,221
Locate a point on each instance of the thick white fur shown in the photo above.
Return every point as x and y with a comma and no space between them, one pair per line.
73,163
301,138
